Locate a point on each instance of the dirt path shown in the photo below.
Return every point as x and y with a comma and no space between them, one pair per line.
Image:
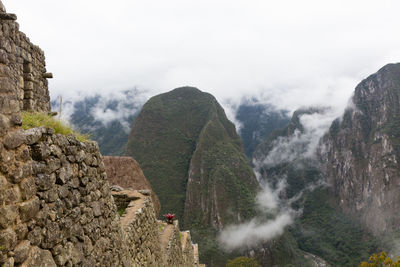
166,236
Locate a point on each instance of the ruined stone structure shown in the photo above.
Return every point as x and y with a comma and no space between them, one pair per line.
56,205
153,242
126,172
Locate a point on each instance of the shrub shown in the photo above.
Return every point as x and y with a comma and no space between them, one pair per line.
381,260
32,120
242,262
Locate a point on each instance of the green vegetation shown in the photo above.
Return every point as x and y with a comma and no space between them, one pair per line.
186,131
242,262
258,121
121,211
330,234
381,260
32,120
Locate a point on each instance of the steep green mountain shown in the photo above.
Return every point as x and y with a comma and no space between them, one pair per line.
192,156
258,121
321,229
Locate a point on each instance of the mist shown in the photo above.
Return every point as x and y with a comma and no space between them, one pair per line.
276,212
287,53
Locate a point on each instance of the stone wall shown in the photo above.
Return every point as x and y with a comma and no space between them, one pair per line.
154,243
23,75
56,204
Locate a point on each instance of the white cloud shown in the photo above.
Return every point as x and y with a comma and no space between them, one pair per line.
295,53
250,234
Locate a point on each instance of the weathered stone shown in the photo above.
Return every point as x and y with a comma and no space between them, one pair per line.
35,236
33,135
4,125
11,195
29,209
8,239
8,16
53,164
41,151
3,182
19,173
45,181
21,251
16,118
47,75
4,60
8,215
40,258
14,139
21,230
9,262
28,188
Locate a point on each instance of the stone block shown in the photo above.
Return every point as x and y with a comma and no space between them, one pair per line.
14,139
28,67
3,57
41,151
29,209
39,257
29,85
21,230
29,104
34,135
8,239
28,188
8,215
4,125
21,251
44,181
11,195
8,16
3,182
8,105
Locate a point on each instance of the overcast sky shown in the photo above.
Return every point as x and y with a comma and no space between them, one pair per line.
293,53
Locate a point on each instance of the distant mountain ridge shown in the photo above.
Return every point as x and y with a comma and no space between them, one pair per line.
106,118
258,121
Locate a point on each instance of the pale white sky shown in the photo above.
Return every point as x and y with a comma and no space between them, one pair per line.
289,52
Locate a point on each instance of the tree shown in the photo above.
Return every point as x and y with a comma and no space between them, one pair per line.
242,262
381,260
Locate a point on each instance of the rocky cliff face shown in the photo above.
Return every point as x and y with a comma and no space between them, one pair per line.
287,162
126,173
194,160
361,152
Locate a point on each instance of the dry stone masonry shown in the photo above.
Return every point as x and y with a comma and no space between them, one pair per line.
57,208
153,242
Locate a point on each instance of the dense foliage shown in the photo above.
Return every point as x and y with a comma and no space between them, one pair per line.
242,262
381,260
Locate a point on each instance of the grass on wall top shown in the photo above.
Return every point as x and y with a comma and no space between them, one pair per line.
32,120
